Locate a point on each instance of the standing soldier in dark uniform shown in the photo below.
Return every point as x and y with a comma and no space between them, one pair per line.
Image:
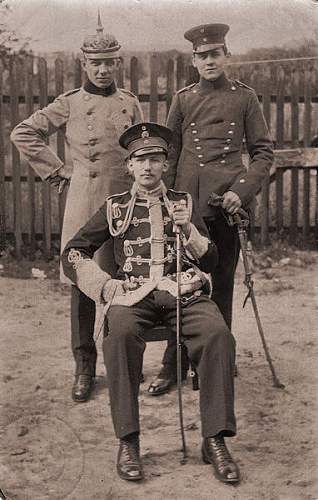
209,121
141,223
93,116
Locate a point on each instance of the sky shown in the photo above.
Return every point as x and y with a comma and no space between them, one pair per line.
155,25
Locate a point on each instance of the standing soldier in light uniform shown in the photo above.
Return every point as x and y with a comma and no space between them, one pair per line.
93,116
209,120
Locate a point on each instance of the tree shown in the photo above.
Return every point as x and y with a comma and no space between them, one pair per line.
10,41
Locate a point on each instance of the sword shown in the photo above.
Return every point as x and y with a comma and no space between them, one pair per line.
241,220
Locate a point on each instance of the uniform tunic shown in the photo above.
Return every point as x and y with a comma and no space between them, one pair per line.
92,124
209,121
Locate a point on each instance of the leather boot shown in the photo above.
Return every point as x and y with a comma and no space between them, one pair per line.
82,388
215,452
128,460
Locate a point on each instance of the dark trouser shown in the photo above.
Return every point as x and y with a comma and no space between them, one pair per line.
227,241
83,314
210,346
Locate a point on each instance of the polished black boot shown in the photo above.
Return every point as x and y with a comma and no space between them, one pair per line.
82,388
128,461
215,452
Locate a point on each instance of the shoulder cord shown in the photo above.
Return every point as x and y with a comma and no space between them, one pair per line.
129,213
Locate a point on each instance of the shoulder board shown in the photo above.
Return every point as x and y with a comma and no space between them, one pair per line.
70,92
125,91
184,89
180,193
241,84
118,195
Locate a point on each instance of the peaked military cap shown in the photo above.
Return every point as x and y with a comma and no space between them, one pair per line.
100,45
207,37
144,138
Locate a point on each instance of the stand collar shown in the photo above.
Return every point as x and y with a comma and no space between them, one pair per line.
92,89
219,83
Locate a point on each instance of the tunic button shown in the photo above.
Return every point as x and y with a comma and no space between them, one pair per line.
230,132
93,159
198,147
226,148
233,88
89,112
192,124
126,126
124,110
86,98
92,142
90,127
200,156
201,164
93,175
232,123
228,140
242,181
194,131
222,161
196,140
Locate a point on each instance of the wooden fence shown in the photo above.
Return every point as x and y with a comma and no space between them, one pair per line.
31,213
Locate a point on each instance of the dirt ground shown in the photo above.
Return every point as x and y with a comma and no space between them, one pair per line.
52,448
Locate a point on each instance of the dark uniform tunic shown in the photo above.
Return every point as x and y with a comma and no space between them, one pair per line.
144,250
210,121
93,119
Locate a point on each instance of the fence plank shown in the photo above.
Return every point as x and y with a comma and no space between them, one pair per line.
2,171
265,212
16,166
31,174
279,201
170,83
59,89
134,76
77,73
295,108
180,72
153,112
266,96
121,77
280,111
306,206
293,229
46,191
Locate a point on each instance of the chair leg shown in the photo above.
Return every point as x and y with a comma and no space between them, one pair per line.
195,378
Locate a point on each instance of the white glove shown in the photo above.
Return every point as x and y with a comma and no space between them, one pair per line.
113,288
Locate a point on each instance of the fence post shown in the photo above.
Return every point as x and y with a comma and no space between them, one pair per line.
280,104
59,89
77,73
154,88
2,172
307,142
180,72
31,175
170,84
134,76
46,190
16,165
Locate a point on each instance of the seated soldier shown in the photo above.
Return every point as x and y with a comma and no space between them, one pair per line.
142,223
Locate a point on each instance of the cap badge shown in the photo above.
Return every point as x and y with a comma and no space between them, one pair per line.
145,133
202,30
204,39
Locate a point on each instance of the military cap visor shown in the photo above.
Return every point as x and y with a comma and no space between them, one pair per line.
145,138
207,37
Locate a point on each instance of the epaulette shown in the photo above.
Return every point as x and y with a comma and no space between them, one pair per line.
125,91
70,92
188,87
241,84
117,195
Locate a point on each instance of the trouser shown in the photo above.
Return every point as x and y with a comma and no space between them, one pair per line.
210,346
83,312
228,244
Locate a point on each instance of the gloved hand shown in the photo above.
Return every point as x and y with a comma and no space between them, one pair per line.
60,179
231,202
111,288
